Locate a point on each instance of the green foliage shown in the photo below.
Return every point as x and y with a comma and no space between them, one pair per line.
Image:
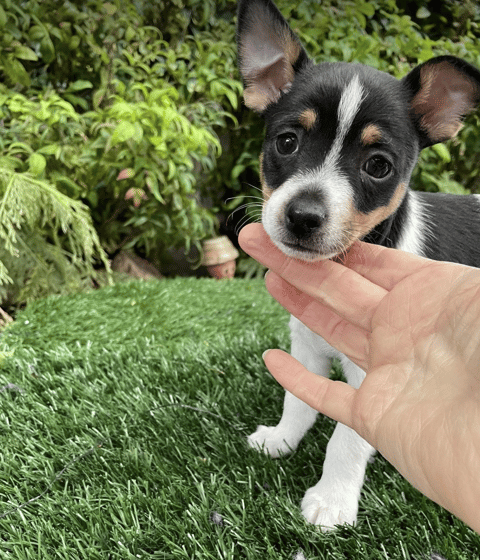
116,116
144,151
46,264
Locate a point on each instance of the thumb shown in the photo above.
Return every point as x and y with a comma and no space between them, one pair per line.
332,398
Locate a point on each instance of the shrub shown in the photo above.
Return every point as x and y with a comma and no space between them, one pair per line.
91,111
33,260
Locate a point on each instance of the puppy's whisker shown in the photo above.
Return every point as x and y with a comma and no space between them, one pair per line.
254,187
251,207
249,218
255,197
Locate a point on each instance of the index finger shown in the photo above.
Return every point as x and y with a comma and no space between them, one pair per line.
333,398
383,266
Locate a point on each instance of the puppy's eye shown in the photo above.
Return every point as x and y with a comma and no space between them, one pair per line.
377,167
287,144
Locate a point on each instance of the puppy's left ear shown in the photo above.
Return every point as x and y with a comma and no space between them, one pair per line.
443,90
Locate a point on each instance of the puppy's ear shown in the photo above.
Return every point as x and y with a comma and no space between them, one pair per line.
269,53
442,90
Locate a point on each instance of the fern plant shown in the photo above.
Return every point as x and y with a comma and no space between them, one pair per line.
47,240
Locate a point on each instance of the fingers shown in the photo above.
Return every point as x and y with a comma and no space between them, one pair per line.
352,296
333,398
382,266
338,332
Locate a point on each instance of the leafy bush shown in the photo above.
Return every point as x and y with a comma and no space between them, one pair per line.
99,119
33,260
145,145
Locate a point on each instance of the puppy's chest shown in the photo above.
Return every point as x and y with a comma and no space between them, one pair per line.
309,345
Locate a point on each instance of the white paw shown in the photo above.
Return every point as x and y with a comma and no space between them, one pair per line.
328,507
272,441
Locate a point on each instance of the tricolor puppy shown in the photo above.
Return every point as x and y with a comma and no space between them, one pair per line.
341,143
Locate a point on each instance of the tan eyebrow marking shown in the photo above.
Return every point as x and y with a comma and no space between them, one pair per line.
370,135
308,119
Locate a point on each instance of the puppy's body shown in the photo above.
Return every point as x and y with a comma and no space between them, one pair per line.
340,145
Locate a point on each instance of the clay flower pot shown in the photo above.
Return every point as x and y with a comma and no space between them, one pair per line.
219,256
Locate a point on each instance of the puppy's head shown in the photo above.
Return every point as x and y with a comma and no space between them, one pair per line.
341,139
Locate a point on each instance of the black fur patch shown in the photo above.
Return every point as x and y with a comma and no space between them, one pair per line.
453,225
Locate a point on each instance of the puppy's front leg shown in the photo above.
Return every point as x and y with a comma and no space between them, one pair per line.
334,499
297,417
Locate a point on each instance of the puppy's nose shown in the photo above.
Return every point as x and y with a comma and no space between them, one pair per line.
304,216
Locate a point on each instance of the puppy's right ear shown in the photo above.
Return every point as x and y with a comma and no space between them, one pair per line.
269,53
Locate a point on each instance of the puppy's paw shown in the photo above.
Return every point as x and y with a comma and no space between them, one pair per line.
272,441
328,507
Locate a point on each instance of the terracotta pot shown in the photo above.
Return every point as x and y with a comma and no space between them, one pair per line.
219,256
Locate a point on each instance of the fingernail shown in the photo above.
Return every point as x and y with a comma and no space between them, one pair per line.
265,353
247,241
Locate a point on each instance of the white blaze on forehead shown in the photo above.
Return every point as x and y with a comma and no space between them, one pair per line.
350,101
329,179
352,97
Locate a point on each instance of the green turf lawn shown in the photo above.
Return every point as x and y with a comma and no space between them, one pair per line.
127,410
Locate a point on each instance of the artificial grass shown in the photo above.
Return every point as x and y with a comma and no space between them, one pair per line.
146,393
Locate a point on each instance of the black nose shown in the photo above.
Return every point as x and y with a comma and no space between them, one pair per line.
304,215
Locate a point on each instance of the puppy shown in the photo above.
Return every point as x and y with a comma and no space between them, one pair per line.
340,145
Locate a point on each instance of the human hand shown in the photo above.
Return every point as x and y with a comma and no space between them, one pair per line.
414,326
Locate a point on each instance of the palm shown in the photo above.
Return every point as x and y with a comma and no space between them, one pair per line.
407,399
